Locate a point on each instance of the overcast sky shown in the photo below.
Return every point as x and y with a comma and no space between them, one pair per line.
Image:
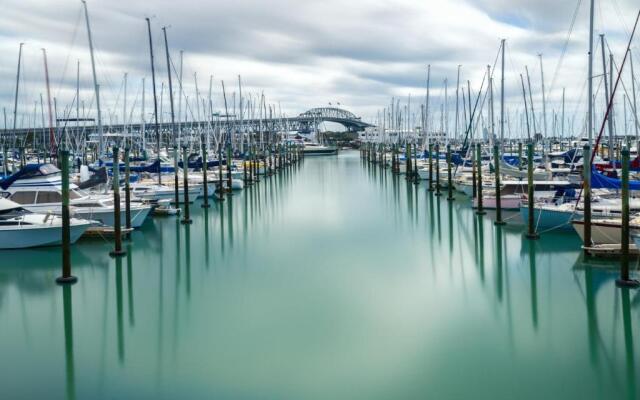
305,54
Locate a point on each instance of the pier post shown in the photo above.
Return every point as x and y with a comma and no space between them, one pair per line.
416,176
127,191
176,180
586,187
117,226
185,188
480,210
449,178
66,277
520,156
473,172
407,156
438,187
219,189
531,227
229,162
430,167
254,167
624,280
205,182
5,161
496,161
393,159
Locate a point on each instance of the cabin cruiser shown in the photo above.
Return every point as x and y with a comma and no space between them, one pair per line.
606,230
561,214
38,188
20,228
317,149
511,193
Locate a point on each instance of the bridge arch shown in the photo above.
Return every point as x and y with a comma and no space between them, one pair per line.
343,117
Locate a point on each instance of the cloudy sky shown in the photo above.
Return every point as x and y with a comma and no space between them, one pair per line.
304,54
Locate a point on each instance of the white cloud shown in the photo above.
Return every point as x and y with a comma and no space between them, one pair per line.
305,54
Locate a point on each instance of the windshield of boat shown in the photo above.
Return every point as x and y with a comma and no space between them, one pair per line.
12,213
77,193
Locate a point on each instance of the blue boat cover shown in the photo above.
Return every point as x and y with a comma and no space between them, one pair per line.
29,171
600,181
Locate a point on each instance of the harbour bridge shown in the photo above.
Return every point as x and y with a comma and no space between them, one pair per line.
306,122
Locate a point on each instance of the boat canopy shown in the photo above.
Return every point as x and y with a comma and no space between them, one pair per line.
600,181
30,171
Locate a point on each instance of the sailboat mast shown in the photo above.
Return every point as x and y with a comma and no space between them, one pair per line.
185,163
15,99
95,79
633,93
590,77
544,100
606,93
502,95
124,104
52,144
180,97
426,107
155,101
457,105
142,117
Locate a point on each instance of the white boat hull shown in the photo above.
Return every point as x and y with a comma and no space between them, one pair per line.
27,236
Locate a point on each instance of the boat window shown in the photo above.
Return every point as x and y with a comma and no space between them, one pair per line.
24,197
49,197
78,205
73,194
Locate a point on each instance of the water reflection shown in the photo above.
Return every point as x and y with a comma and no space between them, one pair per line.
533,282
119,310
70,374
628,343
316,275
130,302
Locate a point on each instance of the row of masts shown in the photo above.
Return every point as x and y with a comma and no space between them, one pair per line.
400,122
194,116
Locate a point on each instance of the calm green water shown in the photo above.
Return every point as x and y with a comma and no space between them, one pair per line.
335,281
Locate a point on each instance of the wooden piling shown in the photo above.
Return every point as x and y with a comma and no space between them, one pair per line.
205,181
117,226
185,188
449,177
127,192
430,167
586,188
625,280
480,209
66,277
531,227
496,162
438,187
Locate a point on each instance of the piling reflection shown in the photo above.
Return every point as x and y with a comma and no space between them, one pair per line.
187,246
119,310
130,286
397,242
70,374
628,343
498,262
533,281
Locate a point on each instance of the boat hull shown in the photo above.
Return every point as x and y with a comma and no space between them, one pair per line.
39,236
601,232
549,219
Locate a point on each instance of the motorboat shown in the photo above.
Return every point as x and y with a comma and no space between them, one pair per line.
20,228
38,188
